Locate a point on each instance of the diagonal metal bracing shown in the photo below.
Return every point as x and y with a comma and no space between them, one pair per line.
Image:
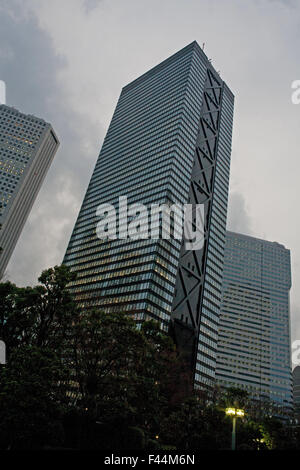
186,309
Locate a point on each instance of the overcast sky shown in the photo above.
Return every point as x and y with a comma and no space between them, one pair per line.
67,60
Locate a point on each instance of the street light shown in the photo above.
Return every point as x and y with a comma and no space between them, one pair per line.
234,413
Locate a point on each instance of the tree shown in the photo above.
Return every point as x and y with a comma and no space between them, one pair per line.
125,376
277,434
35,323
196,424
39,316
32,399
92,379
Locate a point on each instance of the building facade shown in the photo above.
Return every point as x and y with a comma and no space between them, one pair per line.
169,141
27,147
254,333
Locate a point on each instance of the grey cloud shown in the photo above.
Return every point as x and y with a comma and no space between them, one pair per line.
286,3
295,327
90,5
30,67
27,64
239,219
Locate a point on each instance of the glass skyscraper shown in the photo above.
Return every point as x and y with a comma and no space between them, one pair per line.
254,334
169,141
27,147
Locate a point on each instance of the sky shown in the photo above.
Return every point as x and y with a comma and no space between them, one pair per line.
67,60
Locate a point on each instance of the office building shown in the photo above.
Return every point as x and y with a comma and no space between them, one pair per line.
27,147
169,141
254,333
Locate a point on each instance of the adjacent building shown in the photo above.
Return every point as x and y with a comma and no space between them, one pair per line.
27,147
169,141
254,333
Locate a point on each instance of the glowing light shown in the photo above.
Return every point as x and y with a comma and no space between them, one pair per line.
230,411
235,412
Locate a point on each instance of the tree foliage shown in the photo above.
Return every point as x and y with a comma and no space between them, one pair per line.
92,379
34,323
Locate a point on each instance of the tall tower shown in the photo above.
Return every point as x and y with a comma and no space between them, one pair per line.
27,148
169,141
254,334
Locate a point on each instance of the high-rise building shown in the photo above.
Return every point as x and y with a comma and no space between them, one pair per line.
169,141
254,333
296,392
27,147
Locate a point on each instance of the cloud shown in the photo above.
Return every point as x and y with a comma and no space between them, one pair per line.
31,69
90,5
285,3
295,327
238,218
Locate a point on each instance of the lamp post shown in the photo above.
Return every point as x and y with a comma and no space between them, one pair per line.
234,413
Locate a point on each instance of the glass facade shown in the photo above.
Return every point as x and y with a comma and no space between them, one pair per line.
254,334
27,147
150,154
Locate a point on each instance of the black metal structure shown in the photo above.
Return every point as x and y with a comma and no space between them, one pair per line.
186,310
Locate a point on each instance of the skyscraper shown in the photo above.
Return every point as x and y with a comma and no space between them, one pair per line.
254,334
169,141
27,147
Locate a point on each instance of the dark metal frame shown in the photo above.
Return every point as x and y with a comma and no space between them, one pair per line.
186,309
